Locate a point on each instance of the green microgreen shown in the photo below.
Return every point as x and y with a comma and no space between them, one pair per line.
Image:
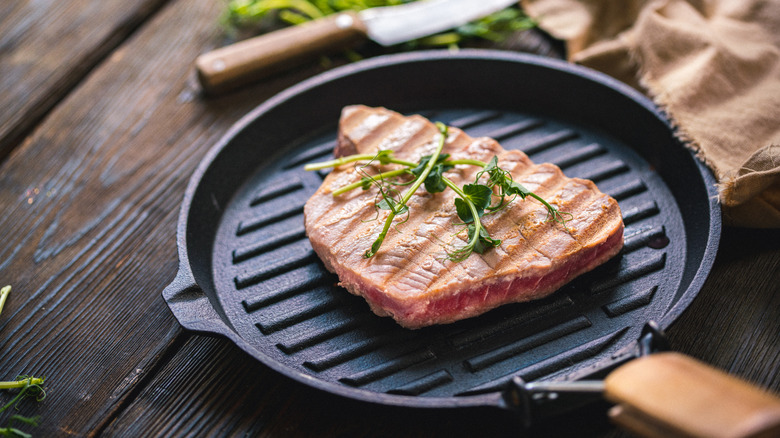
418,181
366,182
470,206
473,200
28,387
509,188
382,157
241,17
433,182
3,296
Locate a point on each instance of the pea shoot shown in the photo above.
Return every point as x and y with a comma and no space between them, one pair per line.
4,292
473,200
258,16
28,386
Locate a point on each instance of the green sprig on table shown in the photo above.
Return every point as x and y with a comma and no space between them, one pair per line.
4,292
28,386
260,16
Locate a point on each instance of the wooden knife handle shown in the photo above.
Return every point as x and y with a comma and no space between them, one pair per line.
672,395
228,67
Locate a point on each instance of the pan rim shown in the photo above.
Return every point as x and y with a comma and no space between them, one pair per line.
185,279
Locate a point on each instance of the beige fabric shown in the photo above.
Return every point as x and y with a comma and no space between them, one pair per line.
714,66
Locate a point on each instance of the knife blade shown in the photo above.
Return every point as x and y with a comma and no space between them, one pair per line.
250,60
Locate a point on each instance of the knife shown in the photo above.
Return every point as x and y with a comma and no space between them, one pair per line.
244,62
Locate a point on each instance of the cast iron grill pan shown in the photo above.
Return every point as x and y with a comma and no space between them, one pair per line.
248,271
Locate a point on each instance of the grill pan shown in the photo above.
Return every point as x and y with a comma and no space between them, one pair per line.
247,271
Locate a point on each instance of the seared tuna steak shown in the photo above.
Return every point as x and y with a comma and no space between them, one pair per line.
410,278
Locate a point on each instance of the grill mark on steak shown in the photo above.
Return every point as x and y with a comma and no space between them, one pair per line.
410,277
414,249
439,207
358,239
466,149
384,130
525,215
406,248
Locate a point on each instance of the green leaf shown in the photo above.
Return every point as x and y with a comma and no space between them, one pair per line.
492,165
388,203
464,212
496,175
478,194
384,156
434,182
515,188
417,171
485,242
259,16
366,182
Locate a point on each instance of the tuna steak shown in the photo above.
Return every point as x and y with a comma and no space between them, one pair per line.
410,278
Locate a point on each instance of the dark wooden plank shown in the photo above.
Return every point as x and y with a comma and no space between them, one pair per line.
89,201
89,207
46,49
213,387
735,321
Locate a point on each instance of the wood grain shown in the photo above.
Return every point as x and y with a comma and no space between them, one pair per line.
298,411
47,48
211,388
734,322
90,204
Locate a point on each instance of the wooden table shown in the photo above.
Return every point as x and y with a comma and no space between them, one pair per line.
101,126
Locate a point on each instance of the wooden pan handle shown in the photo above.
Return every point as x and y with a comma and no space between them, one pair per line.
672,395
253,59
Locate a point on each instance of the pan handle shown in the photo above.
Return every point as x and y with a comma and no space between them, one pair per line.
672,395
191,306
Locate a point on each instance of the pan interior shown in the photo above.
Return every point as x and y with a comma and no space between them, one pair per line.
278,297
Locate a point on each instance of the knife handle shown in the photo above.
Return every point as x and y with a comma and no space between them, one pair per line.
672,395
238,64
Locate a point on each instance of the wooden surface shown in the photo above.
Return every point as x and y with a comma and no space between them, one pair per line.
101,127
47,48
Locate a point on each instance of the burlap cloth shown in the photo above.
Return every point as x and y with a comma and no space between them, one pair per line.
713,66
